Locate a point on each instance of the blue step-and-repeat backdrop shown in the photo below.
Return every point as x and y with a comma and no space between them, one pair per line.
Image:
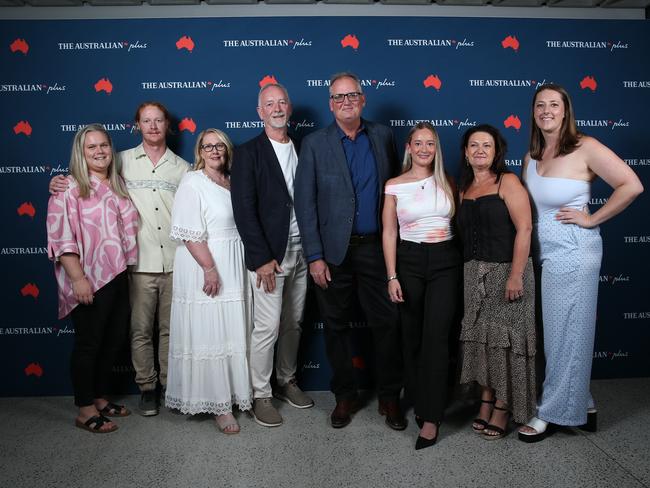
56,76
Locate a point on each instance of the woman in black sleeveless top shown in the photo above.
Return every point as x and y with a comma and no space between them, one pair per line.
498,329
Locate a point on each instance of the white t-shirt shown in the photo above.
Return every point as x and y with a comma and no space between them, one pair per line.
288,158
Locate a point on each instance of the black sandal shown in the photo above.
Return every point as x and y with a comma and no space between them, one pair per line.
482,422
94,424
500,432
114,410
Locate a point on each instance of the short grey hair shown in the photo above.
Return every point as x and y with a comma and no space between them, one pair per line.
269,85
345,74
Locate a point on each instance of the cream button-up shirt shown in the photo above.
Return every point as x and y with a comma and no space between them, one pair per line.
152,189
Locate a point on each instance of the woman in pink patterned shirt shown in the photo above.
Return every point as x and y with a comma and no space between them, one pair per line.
91,231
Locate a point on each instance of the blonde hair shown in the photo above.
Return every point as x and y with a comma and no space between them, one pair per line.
79,166
439,175
199,162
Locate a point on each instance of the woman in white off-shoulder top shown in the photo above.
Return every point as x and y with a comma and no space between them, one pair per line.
424,273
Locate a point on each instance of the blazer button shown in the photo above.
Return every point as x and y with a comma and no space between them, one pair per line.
289,205
350,220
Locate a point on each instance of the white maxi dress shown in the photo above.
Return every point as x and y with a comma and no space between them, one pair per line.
208,369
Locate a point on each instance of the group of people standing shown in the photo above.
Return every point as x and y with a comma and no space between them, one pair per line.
409,245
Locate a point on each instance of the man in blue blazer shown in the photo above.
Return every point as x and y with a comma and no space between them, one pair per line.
339,188
262,183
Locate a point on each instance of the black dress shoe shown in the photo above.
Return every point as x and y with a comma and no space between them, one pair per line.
394,416
423,442
592,422
341,416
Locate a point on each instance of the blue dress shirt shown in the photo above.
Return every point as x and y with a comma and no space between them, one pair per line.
365,180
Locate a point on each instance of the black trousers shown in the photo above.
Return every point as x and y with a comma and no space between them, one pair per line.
100,332
362,275
431,278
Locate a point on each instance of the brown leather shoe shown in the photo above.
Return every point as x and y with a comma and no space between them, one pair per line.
341,416
394,416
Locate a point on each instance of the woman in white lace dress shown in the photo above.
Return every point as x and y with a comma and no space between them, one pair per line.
208,371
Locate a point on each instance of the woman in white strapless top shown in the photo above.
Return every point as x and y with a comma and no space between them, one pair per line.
558,170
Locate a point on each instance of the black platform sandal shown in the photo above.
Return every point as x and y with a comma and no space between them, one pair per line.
480,421
500,432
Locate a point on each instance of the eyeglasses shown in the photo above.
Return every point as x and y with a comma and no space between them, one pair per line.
352,97
219,146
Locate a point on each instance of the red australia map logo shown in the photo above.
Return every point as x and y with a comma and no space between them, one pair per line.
34,369
512,122
510,42
187,124
105,85
185,42
23,127
350,41
432,81
589,82
19,45
268,79
31,290
26,208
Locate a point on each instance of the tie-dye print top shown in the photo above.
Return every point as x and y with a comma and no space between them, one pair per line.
422,211
100,229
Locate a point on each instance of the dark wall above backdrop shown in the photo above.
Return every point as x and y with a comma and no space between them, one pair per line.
56,76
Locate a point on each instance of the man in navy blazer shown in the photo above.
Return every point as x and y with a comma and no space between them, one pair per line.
262,183
339,188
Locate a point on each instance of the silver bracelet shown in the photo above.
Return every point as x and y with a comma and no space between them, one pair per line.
391,278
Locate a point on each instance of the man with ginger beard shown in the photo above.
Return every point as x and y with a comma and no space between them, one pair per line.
339,185
152,173
262,184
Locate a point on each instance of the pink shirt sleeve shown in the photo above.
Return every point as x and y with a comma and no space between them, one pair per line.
62,224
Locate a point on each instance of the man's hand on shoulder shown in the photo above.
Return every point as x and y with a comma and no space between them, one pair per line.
58,184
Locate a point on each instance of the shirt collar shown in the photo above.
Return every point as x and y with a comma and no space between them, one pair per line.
139,154
342,135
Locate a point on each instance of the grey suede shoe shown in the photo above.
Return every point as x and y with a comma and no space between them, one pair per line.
293,395
264,413
148,405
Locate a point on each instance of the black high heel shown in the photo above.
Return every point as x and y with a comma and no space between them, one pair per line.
592,422
500,432
482,422
422,442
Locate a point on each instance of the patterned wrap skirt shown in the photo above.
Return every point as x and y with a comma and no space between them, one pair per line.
498,336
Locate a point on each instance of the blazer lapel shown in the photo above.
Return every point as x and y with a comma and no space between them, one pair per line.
270,159
340,160
382,165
